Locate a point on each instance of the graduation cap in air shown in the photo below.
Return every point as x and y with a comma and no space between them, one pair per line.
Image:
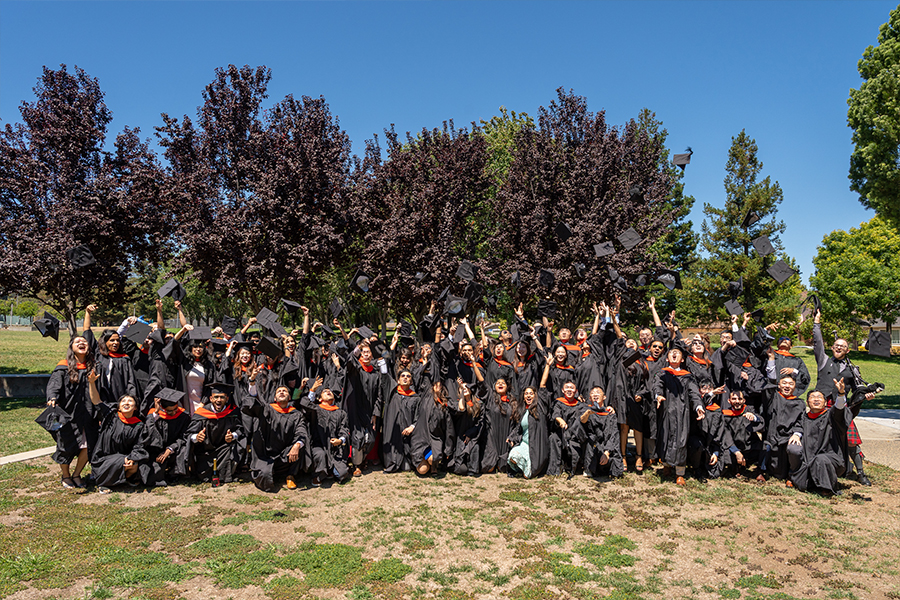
516,280
266,316
473,292
328,332
174,288
360,281
420,275
80,257
749,219
467,271
547,308
763,246
758,315
276,328
879,343
735,288
60,425
218,387
859,394
579,269
861,322
636,194
459,334
604,249
780,271
454,305
169,397
316,342
336,308
230,325
734,307
617,280
491,301
563,232
48,326
669,278
641,279
218,344
630,358
406,330
138,332
365,331
546,278
444,293
199,334
629,238
814,300
290,306
269,347
682,160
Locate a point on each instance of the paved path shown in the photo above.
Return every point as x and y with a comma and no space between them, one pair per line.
5,460
880,433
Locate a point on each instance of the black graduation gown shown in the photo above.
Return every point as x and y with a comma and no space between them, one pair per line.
467,455
362,389
74,400
527,374
434,431
496,370
568,443
602,433
162,432
743,433
782,417
823,456
559,376
117,441
116,375
538,434
682,398
140,364
326,423
424,374
277,432
589,375
709,437
787,360
201,455
401,411
499,423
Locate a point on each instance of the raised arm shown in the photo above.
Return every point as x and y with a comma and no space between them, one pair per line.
250,321
546,374
819,341
181,318
305,320
87,317
652,305
160,322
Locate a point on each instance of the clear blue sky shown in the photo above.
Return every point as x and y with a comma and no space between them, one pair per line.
780,70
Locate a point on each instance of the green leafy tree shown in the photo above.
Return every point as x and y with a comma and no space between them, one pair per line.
874,116
858,273
727,248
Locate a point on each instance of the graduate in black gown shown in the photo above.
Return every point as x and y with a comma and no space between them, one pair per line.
529,442
567,437
215,433
113,366
280,440
709,439
165,437
401,414
433,436
677,398
67,389
329,434
743,424
119,456
603,455
500,410
816,446
784,411
469,425
362,391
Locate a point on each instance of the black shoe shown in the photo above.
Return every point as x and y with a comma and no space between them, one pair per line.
863,479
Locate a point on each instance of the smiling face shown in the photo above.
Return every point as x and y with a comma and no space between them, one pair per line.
500,386
219,400
787,385
290,344
569,390
197,350
404,360
282,394
467,352
816,402
498,351
840,348
674,357
656,349
631,344
365,355
736,399
127,405
404,379
597,396
244,356
113,344
564,335
646,336
560,354
697,347
521,349
530,396
80,346
785,344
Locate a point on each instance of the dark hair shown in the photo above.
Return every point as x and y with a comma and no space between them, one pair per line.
71,361
706,382
104,337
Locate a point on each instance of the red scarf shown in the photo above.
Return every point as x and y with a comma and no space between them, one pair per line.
283,411
367,368
501,362
568,402
733,413
204,412
746,364
651,359
813,415
328,406
713,407
676,372
117,355
504,398
144,350
787,397
571,348
409,392
164,415
567,367
65,363
129,420
783,353
700,361
605,412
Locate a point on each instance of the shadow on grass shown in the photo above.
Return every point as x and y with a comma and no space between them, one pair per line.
17,403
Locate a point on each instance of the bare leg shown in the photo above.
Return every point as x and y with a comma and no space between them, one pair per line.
80,462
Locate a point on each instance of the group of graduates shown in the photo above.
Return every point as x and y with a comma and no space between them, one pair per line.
147,407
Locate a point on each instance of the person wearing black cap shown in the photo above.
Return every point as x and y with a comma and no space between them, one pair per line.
816,446
838,367
529,442
68,390
432,438
215,433
113,366
567,438
165,437
399,403
119,456
329,433
280,440
470,427
677,397
602,455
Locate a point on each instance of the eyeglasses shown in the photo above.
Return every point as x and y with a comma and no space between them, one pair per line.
840,347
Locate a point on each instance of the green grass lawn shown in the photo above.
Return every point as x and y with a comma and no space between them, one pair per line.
20,432
23,352
872,368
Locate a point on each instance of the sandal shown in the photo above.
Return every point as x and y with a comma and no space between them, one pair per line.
639,465
68,483
78,483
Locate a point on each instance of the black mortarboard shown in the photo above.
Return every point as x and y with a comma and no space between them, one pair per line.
740,336
218,344
682,160
218,387
763,246
365,332
53,419
641,280
613,274
737,355
138,332
248,344
734,307
814,300
405,329
443,295
629,238
420,275
169,397
547,308
49,326
516,280
735,288
780,271
750,218
199,334
335,308
636,194
546,278
230,325
473,292
265,317
80,256
316,342
454,305
379,350
269,347
861,322
630,358
459,334
491,301
290,306
758,314
173,287
563,232
604,249
328,331
360,281
467,271
669,278
579,269
879,343
276,328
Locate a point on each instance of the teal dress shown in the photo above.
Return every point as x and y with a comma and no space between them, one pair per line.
520,455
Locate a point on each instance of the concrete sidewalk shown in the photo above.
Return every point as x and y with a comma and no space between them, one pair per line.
880,433
12,458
